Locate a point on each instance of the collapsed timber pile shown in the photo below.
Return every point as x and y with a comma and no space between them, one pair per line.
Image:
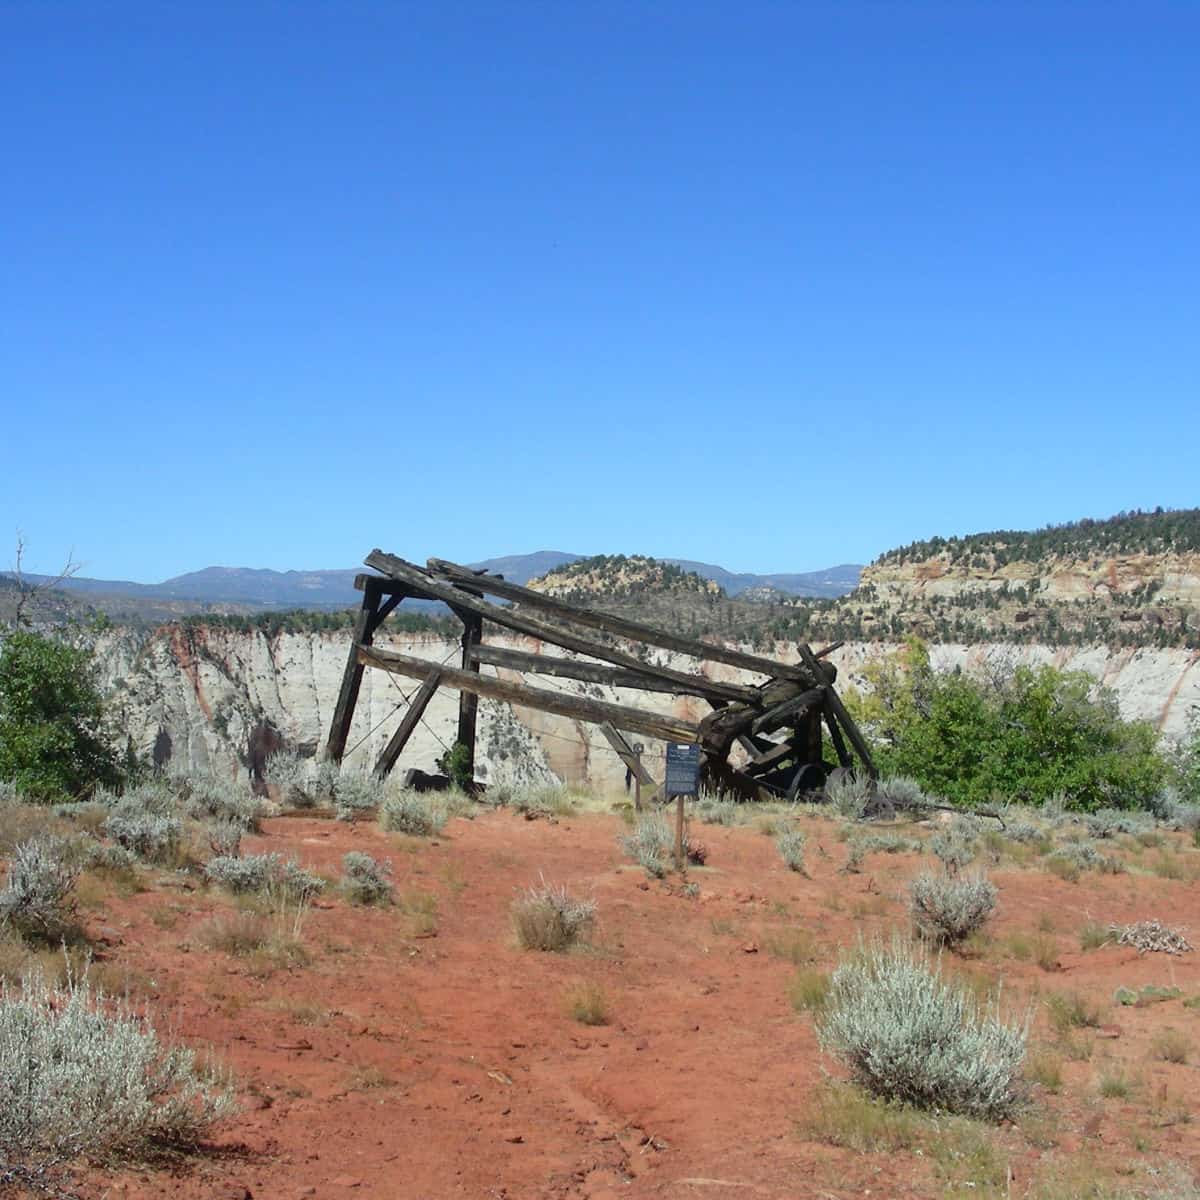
764,737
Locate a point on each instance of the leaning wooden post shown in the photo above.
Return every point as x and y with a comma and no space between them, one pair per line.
364,629
680,864
468,702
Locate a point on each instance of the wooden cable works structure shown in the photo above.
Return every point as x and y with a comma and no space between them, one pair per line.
778,723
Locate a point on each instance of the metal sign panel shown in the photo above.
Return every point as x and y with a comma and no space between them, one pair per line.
683,769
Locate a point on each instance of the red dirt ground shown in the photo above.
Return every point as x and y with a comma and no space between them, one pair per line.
399,1065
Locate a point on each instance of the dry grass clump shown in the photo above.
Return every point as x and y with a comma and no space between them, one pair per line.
1070,1010
907,1034
267,944
948,909
808,990
587,1003
651,844
1171,1045
81,1074
547,917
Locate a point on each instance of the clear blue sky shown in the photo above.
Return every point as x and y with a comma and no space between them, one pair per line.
773,285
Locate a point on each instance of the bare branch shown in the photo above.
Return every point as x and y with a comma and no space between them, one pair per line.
28,593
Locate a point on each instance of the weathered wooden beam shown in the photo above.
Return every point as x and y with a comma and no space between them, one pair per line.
767,760
829,650
415,711
835,735
781,714
343,712
468,702
616,739
422,584
570,668
637,720
619,626
844,719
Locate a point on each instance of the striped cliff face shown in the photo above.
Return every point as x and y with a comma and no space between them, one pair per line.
208,694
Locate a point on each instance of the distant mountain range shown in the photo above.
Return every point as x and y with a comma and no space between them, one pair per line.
251,588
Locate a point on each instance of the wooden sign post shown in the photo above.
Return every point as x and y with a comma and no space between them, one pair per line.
683,779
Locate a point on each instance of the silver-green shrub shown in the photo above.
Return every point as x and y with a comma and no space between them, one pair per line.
790,843
289,773
41,874
366,880
714,809
1107,822
906,1034
149,835
651,844
258,873
947,909
850,794
356,796
225,838
84,1075
414,813
954,845
901,794
239,874
211,799
883,843
1086,857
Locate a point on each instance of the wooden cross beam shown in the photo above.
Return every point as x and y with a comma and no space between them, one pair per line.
619,626
420,583
583,708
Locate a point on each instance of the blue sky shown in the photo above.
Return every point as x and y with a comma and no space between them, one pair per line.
770,285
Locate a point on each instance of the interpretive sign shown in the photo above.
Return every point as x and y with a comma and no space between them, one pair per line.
683,769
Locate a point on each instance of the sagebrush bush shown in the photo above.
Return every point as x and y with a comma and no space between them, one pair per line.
84,1075
906,1034
948,909
210,799
41,874
413,813
356,796
714,809
902,794
1083,856
651,844
225,838
790,844
289,774
886,843
850,794
149,835
366,880
954,845
258,873
547,917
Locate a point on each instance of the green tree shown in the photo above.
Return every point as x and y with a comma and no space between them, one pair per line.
53,741
1040,732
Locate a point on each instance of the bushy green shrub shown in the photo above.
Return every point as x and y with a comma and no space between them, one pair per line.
289,774
41,875
84,1075
947,909
906,1034
54,743
790,842
414,813
1039,732
366,880
546,917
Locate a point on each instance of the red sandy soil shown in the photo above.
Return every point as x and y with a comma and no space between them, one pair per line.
446,1065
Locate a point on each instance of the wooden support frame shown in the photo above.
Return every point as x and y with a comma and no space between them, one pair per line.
416,710
796,696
